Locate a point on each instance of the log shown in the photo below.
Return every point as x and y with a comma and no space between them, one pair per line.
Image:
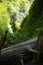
17,50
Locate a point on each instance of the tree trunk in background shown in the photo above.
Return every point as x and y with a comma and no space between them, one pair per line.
38,58
0,0
2,40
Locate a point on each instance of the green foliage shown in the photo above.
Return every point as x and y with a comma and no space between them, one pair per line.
17,9
15,12
33,22
9,40
4,19
12,12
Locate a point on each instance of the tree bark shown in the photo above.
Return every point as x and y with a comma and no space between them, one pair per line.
2,40
38,58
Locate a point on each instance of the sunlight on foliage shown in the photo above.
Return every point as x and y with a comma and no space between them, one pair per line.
17,24
12,13
18,9
4,18
9,28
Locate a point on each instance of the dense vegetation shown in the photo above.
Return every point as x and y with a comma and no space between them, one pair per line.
22,19
33,23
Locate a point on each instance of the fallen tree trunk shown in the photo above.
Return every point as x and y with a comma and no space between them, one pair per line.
12,50
17,53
